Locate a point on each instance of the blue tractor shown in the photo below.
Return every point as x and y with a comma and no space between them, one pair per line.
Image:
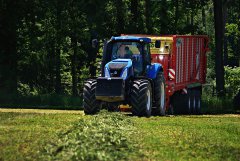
128,77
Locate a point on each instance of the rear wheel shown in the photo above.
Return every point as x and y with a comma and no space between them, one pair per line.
90,104
190,108
141,98
183,103
198,102
159,95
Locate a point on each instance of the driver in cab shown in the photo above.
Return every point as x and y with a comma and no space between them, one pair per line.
124,52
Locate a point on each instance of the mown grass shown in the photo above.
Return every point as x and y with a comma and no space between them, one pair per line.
107,136
116,136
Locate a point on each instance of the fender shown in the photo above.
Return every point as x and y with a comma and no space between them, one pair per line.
153,69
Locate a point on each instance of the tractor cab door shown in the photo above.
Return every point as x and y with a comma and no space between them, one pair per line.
106,57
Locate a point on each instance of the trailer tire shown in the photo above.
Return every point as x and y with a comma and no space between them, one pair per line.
90,104
176,103
198,102
141,98
183,103
191,102
159,95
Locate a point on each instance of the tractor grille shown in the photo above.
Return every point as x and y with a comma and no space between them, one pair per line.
117,65
115,72
116,69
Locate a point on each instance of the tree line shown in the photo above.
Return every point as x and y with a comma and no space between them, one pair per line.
46,45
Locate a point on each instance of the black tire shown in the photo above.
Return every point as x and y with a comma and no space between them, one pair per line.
141,98
159,95
175,103
190,107
90,104
183,103
198,102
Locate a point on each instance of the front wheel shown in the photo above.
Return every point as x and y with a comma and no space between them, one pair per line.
90,104
141,98
160,95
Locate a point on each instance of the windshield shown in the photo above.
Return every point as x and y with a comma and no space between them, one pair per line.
125,50
129,50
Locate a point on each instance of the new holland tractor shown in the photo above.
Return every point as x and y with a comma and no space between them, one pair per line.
127,78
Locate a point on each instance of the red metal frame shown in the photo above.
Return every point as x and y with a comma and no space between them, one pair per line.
183,60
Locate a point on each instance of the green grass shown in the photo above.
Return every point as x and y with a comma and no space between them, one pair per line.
114,136
23,135
190,137
107,136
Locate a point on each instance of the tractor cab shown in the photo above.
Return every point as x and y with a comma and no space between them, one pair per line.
123,50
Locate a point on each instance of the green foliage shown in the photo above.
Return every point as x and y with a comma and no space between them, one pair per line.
232,29
213,105
232,80
102,137
44,101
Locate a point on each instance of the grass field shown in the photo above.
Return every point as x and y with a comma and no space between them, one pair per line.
69,135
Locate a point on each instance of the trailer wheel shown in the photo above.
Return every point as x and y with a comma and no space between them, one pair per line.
141,98
198,102
191,102
159,95
90,104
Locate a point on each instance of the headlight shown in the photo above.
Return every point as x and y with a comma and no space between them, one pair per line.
125,73
107,74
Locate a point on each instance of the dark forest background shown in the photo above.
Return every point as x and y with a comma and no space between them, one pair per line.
46,48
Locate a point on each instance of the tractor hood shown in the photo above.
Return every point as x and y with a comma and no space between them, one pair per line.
119,68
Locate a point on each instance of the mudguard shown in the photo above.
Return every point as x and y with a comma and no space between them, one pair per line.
153,69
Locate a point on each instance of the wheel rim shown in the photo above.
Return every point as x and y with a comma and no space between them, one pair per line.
199,104
162,96
148,100
189,103
194,103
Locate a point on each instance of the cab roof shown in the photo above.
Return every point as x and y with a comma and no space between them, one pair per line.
131,38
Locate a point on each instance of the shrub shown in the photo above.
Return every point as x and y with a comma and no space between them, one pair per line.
232,80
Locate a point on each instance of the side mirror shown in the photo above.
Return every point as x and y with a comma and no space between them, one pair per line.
157,44
94,43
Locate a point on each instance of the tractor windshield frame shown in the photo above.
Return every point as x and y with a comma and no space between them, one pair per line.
146,55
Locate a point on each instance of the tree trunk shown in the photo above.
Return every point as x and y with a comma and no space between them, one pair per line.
58,86
135,17
163,18
73,65
204,19
51,67
192,21
120,17
9,18
225,41
176,16
218,23
148,16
